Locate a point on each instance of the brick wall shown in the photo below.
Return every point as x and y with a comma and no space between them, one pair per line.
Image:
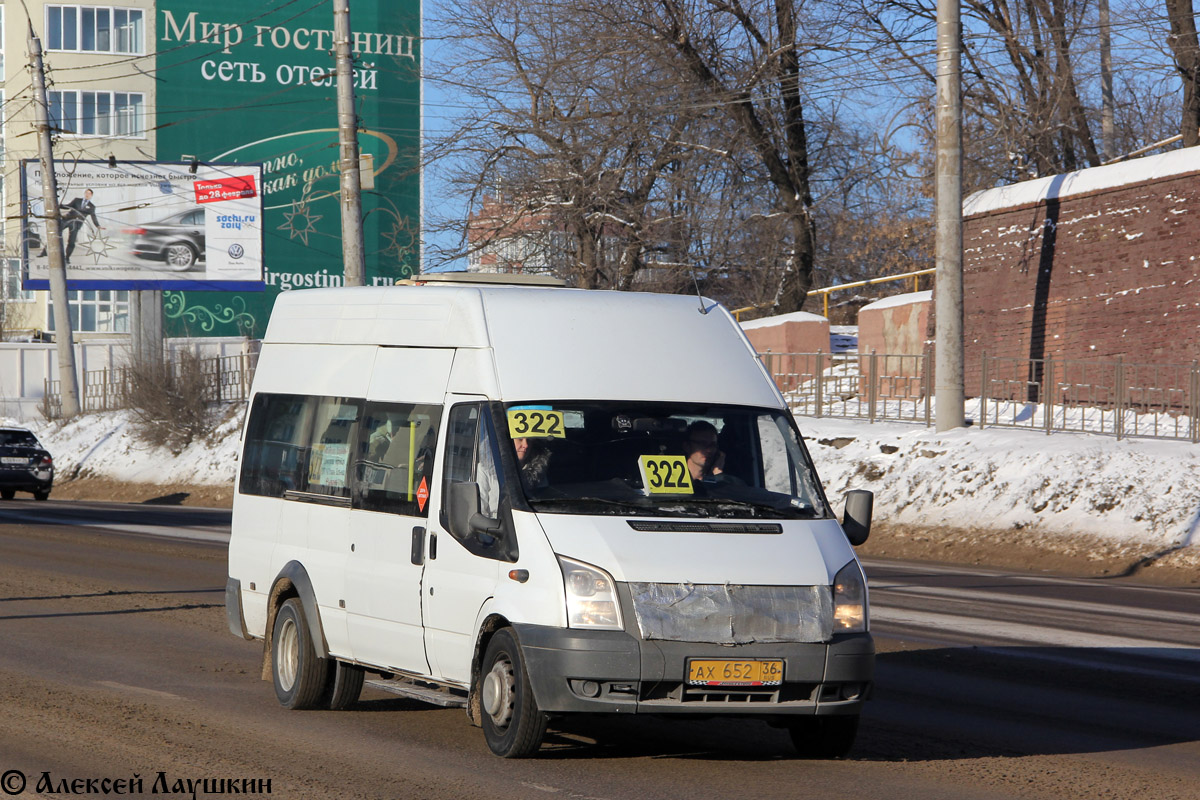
798,332
895,326
1101,275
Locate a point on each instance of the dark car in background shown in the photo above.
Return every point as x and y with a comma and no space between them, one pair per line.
177,240
25,466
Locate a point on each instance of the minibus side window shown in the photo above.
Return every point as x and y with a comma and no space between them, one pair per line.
460,444
276,452
787,470
335,431
471,455
393,462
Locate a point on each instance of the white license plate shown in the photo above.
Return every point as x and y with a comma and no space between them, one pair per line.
14,460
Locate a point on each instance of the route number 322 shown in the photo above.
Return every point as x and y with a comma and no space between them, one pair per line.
665,474
525,422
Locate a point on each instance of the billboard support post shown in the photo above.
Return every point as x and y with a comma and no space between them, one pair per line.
351,182
63,338
146,327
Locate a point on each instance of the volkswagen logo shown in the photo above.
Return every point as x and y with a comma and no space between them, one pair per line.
236,251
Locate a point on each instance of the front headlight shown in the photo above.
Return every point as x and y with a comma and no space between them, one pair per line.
850,600
591,597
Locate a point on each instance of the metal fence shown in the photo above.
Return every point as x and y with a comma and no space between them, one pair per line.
226,379
1113,398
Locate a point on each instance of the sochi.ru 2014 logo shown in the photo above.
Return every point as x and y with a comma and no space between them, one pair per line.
236,251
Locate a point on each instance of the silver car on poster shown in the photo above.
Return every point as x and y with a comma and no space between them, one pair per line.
177,240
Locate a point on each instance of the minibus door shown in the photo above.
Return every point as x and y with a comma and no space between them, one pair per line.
393,477
461,570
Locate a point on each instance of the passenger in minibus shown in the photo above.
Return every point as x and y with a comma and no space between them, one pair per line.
533,456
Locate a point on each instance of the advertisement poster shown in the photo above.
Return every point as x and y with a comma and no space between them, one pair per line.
148,225
254,84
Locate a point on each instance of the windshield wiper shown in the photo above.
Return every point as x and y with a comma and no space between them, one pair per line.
755,509
638,503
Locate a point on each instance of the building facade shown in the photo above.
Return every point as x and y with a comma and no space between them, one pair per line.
216,83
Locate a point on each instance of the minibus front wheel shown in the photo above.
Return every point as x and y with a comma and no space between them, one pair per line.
512,723
299,675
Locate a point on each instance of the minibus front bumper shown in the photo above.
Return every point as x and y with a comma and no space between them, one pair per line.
574,670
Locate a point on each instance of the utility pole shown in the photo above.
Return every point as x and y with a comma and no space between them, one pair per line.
948,249
352,228
63,338
1107,103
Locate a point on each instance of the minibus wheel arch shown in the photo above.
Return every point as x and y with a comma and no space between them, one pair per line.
293,581
493,623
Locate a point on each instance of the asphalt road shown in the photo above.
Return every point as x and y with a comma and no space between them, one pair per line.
115,662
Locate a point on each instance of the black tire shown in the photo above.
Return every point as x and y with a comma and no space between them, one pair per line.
8,494
298,674
823,737
344,686
42,495
512,724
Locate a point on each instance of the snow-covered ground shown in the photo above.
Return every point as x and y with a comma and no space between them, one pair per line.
105,446
1014,480
1062,485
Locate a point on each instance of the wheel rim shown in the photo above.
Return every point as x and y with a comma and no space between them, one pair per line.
499,690
179,255
287,657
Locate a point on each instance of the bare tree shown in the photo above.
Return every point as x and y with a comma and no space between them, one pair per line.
670,135
747,58
1186,52
1024,106
571,133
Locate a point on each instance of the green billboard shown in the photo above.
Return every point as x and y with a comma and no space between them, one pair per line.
254,83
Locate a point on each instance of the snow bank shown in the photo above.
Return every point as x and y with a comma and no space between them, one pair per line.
782,319
1014,480
104,445
1093,179
899,300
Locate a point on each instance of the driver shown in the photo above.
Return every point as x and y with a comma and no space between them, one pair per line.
704,460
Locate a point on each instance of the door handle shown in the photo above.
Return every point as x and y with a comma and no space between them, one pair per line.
433,545
418,545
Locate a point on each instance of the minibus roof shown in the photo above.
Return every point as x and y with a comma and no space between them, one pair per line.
548,343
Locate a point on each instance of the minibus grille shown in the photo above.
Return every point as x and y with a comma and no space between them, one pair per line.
732,613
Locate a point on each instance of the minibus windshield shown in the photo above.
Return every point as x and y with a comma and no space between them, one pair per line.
662,459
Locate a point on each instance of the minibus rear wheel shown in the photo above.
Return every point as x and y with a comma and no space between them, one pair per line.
344,685
512,723
823,737
299,674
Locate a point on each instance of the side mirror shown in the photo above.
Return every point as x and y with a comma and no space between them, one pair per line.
465,519
856,518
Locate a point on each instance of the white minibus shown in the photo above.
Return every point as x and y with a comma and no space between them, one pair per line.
533,501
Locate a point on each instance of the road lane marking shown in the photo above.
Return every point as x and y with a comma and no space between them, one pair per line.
912,570
1105,609
1033,635
122,687
203,534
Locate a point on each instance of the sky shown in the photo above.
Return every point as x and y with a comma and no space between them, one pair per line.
440,105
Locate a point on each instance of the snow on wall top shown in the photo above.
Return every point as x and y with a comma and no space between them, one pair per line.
795,316
899,300
1175,162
